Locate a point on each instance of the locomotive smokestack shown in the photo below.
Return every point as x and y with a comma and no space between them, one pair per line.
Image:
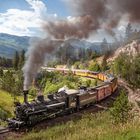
25,93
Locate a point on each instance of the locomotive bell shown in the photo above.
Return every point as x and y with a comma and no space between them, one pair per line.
25,93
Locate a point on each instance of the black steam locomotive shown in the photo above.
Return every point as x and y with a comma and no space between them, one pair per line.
28,114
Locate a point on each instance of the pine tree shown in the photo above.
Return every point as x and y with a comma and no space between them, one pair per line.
21,59
94,55
94,66
16,61
8,82
128,31
104,65
134,72
120,111
88,53
104,45
1,72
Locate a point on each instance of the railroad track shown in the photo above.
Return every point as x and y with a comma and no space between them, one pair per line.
4,130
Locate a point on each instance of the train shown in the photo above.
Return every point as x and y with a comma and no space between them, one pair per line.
79,72
62,102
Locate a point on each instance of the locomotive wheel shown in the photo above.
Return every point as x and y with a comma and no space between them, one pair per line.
71,110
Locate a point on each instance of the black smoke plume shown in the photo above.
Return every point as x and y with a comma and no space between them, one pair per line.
87,16
35,58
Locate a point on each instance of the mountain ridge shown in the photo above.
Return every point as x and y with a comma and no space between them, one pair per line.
9,44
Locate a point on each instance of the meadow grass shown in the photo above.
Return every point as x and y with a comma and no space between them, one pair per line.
6,101
90,127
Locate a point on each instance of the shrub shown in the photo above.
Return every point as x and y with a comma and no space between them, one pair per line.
94,66
33,92
3,114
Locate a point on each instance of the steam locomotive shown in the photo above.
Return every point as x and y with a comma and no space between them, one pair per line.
63,102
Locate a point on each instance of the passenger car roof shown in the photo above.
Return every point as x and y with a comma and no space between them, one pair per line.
71,91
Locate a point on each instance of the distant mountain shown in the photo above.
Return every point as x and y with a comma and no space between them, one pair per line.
11,43
94,46
76,43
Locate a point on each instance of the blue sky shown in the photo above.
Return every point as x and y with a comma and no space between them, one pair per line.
13,4
53,6
24,17
57,6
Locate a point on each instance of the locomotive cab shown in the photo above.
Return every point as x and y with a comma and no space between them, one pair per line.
71,97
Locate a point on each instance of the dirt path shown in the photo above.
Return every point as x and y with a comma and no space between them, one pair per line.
132,96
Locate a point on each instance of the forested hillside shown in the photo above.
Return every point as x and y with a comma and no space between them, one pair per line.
9,44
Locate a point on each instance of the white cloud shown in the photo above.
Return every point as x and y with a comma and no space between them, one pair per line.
22,22
38,6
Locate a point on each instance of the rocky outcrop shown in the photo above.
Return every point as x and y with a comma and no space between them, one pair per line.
132,49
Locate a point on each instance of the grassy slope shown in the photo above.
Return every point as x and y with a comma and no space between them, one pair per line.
6,101
90,127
